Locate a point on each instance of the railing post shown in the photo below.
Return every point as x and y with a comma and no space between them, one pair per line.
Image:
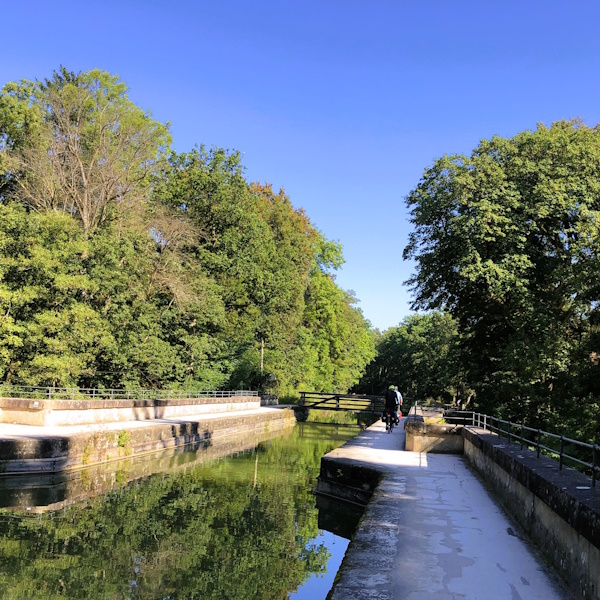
302,398
337,401
562,449
509,424
539,441
522,435
595,464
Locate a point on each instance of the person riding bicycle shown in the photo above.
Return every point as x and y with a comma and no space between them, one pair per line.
392,402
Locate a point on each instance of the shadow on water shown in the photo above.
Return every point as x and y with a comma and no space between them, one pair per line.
339,518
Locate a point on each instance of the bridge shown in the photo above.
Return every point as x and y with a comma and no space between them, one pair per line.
431,529
345,402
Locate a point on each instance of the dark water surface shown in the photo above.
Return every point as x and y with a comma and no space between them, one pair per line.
185,525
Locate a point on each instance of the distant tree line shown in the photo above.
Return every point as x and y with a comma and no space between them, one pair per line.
507,249
124,264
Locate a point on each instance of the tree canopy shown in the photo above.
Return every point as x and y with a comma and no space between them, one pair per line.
125,264
507,241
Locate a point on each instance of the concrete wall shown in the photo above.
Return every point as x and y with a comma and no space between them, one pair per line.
557,508
345,480
24,411
55,453
429,437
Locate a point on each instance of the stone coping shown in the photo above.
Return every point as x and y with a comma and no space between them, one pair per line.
568,493
32,404
28,411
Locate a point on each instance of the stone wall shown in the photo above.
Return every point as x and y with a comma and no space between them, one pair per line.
52,413
430,437
57,451
558,509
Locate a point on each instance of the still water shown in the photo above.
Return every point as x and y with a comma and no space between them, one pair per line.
190,525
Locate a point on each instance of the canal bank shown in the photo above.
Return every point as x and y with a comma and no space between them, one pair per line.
26,449
430,529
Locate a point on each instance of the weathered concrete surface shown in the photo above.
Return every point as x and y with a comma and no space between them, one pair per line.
53,413
432,532
558,509
30,449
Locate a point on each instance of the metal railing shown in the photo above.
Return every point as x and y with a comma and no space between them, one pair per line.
347,402
54,393
552,445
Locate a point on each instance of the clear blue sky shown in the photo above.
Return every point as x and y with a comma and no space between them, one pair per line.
342,102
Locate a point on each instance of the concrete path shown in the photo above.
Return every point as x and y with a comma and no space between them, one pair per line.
432,532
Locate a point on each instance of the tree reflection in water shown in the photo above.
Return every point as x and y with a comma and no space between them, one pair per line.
241,527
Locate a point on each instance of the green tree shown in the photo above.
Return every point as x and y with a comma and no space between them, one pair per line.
337,341
50,334
209,282
507,241
421,356
75,143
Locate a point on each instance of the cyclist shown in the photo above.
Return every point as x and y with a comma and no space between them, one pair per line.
392,402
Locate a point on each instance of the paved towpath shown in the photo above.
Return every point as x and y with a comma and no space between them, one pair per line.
432,532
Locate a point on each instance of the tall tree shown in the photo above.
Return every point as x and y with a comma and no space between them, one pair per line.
77,144
421,356
508,241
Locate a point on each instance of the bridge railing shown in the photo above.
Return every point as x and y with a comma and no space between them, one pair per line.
55,393
346,402
560,447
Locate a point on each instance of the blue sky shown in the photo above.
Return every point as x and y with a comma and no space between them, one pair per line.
342,102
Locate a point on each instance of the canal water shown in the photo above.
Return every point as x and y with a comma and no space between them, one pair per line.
190,525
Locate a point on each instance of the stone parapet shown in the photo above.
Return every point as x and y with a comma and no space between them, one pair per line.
52,413
558,509
46,451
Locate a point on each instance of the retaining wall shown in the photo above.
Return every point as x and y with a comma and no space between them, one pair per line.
26,411
98,444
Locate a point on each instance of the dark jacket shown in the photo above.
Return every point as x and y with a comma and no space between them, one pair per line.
391,400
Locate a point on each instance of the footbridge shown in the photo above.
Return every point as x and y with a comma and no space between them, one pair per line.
345,402
470,513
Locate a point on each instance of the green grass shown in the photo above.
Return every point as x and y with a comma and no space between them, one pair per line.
342,417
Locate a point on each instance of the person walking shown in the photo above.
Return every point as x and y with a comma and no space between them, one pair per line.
399,409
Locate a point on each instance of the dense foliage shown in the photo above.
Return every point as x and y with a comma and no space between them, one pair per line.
125,264
422,357
507,242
